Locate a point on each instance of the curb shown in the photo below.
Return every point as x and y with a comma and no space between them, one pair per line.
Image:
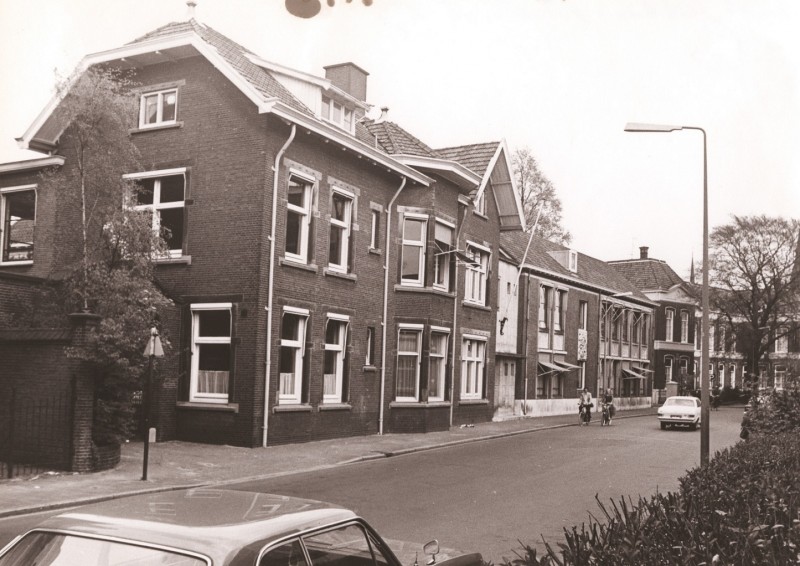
365,458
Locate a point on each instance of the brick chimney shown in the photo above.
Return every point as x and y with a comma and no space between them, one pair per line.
350,78
643,252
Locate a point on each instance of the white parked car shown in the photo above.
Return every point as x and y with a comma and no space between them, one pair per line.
680,411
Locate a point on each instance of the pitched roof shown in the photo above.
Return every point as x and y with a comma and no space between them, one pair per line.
592,272
648,274
394,140
475,157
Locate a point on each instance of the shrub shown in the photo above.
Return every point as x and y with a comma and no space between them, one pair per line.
742,509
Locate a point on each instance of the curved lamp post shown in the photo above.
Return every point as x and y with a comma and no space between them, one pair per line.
704,357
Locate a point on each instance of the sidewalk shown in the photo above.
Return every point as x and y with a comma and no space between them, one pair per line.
182,464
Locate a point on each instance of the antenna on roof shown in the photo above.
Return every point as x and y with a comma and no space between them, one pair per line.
191,5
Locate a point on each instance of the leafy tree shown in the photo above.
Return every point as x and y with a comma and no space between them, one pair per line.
537,192
113,272
755,279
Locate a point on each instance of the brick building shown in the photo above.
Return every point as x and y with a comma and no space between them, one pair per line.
332,275
567,321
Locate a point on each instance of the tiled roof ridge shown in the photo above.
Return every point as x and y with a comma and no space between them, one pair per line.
470,145
635,259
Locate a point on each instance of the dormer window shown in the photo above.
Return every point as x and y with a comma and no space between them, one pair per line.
573,261
158,108
337,113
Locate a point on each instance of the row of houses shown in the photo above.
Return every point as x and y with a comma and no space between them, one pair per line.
332,274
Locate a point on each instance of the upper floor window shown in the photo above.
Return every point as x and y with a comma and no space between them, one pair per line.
298,218
476,275
573,261
335,351
473,359
163,194
684,327
158,108
669,334
782,344
211,352
18,216
341,225
413,261
337,113
625,325
636,327
443,236
559,298
294,322
645,328
544,307
480,203
616,323
375,230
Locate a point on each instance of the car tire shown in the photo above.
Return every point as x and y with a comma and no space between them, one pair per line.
663,426
693,426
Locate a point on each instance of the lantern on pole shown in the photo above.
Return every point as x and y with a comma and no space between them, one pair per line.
152,350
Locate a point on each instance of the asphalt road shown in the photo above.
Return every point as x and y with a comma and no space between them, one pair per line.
487,496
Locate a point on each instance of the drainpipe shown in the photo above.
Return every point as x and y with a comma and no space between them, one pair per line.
271,284
467,209
384,322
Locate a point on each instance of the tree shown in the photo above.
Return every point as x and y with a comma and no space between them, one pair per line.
755,278
537,192
113,274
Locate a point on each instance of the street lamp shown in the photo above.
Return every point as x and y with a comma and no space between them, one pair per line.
704,393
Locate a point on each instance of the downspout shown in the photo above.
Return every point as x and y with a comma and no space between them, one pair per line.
271,284
386,301
470,206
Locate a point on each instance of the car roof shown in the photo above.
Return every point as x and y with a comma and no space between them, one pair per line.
216,522
683,397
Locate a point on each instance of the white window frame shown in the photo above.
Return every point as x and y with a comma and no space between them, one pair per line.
438,395
480,203
421,244
669,324
416,329
345,226
476,276
472,366
369,346
4,191
157,205
332,392
559,298
197,341
159,94
374,233
669,363
299,345
583,315
684,327
346,120
441,261
544,308
782,343
305,213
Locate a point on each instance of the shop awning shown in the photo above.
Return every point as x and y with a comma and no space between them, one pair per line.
567,366
550,367
640,369
630,374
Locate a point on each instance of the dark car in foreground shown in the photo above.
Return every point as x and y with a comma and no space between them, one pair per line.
210,527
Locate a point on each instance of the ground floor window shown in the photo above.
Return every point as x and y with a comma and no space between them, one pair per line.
409,353
211,352
292,355
437,365
473,361
335,352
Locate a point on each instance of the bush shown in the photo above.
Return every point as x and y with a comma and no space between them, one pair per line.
742,509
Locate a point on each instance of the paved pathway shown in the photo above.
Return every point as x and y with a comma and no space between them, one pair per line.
183,464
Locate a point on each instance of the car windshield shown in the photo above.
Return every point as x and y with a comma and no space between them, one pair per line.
57,549
681,402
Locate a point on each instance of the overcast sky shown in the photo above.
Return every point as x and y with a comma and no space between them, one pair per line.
561,77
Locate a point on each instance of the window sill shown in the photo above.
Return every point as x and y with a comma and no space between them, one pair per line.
155,128
184,259
375,251
16,263
285,261
292,408
334,407
482,215
339,274
428,290
473,402
369,368
418,404
476,306
200,406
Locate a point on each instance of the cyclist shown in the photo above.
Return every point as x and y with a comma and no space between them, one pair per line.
608,401
585,404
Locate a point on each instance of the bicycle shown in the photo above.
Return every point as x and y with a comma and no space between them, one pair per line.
605,420
585,414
